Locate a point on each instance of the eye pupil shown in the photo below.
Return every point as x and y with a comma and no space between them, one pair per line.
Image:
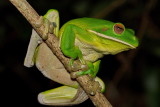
118,28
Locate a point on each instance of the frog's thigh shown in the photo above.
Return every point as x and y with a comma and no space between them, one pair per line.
63,95
51,67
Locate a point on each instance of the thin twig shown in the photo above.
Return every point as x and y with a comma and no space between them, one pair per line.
31,15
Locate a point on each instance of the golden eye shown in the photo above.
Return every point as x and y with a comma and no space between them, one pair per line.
118,28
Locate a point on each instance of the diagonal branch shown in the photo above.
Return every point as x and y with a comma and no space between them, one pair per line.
32,16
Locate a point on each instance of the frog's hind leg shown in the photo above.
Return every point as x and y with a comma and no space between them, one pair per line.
35,40
63,95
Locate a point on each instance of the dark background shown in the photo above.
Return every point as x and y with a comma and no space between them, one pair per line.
132,78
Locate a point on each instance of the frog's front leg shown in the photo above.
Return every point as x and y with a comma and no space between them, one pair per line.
69,49
67,44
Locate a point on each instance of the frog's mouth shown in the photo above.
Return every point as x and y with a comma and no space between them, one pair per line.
111,38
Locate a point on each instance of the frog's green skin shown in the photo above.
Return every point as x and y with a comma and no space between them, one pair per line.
90,39
86,39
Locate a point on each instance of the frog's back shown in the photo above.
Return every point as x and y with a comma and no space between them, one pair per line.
88,22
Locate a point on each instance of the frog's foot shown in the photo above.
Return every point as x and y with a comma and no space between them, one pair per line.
78,65
91,71
86,69
48,26
79,70
94,86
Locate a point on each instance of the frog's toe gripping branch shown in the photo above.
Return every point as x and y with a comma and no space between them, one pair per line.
91,70
62,96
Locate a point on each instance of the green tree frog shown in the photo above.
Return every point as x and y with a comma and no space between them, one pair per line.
85,39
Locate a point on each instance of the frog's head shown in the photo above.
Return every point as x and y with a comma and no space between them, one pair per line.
115,37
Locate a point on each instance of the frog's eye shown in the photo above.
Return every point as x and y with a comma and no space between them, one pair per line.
119,28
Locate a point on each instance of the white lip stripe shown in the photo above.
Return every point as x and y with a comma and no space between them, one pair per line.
111,38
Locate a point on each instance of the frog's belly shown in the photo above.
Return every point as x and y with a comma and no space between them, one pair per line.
89,53
51,67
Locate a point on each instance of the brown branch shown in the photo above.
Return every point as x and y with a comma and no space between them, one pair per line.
31,15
